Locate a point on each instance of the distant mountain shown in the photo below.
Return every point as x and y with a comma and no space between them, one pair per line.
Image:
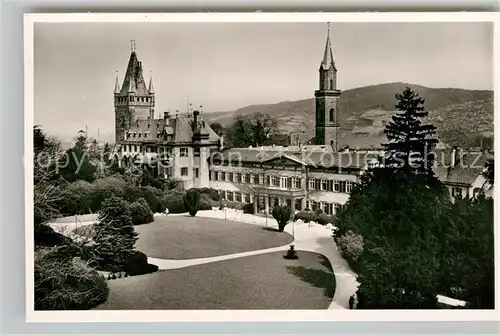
461,116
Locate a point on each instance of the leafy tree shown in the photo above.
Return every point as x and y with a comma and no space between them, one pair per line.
468,248
282,214
410,142
489,173
115,235
217,128
255,131
76,164
192,201
397,216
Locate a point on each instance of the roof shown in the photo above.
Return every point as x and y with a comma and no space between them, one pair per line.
134,80
468,167
314,156
328,56
179,127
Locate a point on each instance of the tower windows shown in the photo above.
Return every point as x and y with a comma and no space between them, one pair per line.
331,84
332,115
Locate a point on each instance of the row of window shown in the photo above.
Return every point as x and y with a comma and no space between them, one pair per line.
283,182
326,207
134,99
185,172
460,192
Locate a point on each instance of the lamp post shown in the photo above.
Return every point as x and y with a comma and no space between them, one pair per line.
225,211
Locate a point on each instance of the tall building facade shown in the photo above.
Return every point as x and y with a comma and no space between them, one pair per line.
173,146
327,101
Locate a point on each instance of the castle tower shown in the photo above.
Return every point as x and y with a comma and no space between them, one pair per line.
327,98
133,101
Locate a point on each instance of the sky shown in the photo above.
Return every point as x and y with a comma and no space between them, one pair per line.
226,66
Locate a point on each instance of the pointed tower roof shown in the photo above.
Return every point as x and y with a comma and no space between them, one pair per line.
151,89
133,82
117,84
328,56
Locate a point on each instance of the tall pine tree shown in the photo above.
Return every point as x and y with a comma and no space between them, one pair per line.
115,236
410,142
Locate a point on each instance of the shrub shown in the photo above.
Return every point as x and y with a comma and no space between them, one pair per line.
204,205
233,204
46,236
140,212
248,208
192,201
114,235
152,197
77,199
212,194
351,246
306,216
318,211
174,201
137,264
282,214
106,188
66,285
324,219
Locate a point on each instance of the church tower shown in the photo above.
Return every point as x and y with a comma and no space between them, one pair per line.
327,100
134,100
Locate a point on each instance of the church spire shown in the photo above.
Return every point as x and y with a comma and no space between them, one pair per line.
151,90
117,84
328,55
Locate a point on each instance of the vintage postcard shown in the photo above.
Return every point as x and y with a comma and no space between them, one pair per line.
260,167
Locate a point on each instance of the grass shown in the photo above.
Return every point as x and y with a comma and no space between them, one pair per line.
185,237
265,281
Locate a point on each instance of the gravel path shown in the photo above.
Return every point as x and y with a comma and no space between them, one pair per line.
185,237
266,281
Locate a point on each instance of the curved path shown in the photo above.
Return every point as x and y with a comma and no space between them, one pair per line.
313,238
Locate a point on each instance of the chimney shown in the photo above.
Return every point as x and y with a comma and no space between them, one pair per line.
221,142
453,157
195,118
166,117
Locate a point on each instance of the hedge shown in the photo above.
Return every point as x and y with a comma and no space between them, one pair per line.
138,264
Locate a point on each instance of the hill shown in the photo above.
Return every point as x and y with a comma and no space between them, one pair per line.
461,116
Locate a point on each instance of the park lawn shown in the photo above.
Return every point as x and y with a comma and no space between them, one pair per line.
186,237
265,281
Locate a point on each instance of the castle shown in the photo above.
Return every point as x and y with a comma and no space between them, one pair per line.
176,146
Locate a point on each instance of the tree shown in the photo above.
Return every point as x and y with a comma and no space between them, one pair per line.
282,214
255,131
410,142
468,248
489,172
115,235
76,163
397,216
192,201
217,128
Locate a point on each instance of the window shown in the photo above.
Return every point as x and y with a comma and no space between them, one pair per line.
349,186
324,185
261,179
230,196
332,115
238,177
275,181
456,192
196,152
476,192
184,171
196,172
340,186
246,178
252,179
184,152
230,177
311,184
237,196
295,182
331,84
223,176
317,184
337,207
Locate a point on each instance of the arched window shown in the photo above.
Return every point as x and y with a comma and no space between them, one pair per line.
331,84
332,115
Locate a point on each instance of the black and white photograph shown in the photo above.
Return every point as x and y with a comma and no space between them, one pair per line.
329,166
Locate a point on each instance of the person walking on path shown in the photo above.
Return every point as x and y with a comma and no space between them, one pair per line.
351,302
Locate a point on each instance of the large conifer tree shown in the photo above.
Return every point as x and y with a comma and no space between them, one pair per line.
410,142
